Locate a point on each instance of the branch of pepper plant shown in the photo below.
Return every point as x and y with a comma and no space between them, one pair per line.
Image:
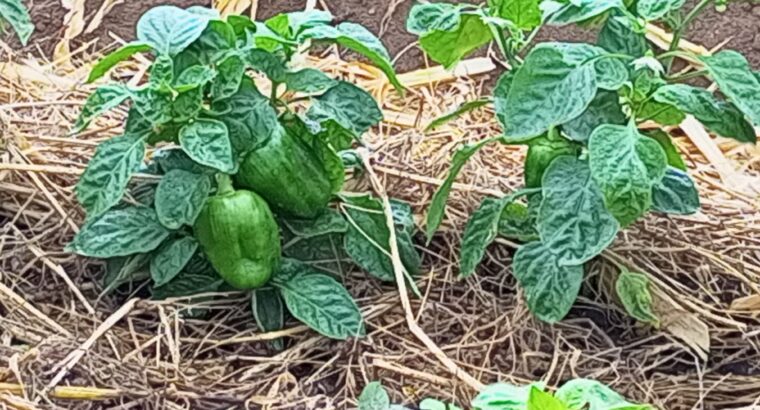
398,269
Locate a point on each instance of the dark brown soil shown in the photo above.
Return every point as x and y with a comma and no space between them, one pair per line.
740,24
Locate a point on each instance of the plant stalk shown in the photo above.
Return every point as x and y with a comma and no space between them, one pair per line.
224,184
681,29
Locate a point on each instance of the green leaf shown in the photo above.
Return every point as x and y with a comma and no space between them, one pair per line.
438,204
14,12
374,397
737,81
125,269
666,143
720,117
324,252
109,61
367,241
675,194
185,107
154,106
329,158
518,222
554,85
103,99
626,166
175,158
194,77
480,231
458,112
525,14
504,396
618,36
162,71
249,117
103,183
329,221
309,80
188,284
216,42
550,288
269,312
229,75
651,10
611,73
267,63
576,11
170,29
360,40
208,143
541,152
604,109
448,47
573,221
351,107
426,17
580,393
180,197
539,400
171,258
633,291
119,232
319,301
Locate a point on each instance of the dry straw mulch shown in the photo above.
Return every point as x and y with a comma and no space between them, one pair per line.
63,343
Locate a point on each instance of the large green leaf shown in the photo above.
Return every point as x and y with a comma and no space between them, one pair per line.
171,258
351,107
170,29
592,395
188,284
109,61
208,143
319,301
154,106
572,221
633,291
626,166
103,183
555,84
162,72
524,14
604,109
119,232
14,12
174,158
540,400
541,152
426,17
249,116
125,269
611,73
718,116
103,99
737,81
480,231
217,41
675,194
560,13
360,40
374,397
504,396
448,47
180,197
194,77
329,221
368,238
267,63
550,289
618,36
309,80
656,9
438,204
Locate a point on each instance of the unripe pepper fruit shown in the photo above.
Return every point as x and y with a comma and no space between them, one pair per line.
239,235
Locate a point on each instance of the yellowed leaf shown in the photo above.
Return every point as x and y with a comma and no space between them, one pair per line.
688,328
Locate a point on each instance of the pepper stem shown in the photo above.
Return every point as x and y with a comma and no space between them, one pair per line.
224,184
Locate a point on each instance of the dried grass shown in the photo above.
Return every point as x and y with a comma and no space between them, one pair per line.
60,338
